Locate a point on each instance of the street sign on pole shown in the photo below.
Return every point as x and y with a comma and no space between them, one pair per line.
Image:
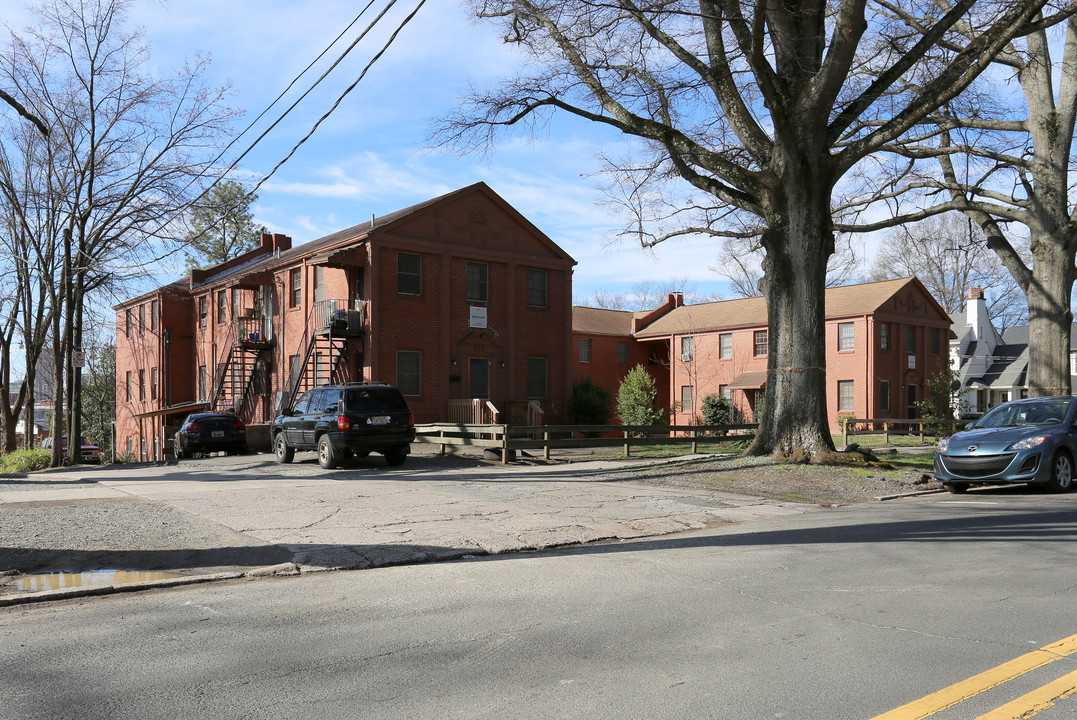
78,359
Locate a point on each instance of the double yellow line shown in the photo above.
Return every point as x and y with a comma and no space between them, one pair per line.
1024,706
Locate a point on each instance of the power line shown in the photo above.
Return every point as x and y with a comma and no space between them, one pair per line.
336,63
342,95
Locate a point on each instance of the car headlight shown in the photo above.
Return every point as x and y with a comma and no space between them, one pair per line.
943,445
1028,443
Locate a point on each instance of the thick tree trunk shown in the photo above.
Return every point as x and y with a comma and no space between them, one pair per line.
1049,318
794,424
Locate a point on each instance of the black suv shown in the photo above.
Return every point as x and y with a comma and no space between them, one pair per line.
341,420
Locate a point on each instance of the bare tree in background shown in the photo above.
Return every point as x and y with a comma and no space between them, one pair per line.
129,150
949,254
741,263
761,108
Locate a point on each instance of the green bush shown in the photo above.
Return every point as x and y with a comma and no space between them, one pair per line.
717,410
636,399
590,404
22,461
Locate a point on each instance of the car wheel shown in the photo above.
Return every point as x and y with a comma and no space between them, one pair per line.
177,450
327,456
395,457
282,450
1061,472
956,487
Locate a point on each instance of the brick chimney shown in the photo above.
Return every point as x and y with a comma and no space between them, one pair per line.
976,313
272,242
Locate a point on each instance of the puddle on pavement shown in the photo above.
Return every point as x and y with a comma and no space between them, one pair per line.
88,578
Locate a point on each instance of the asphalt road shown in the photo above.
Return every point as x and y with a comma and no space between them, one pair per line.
850,613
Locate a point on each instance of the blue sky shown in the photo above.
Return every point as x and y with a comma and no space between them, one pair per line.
371,156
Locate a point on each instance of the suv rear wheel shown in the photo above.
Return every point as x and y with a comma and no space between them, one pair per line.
282,450
327,456
395,457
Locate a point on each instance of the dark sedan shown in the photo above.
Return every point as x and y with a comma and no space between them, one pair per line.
1024,441
210,432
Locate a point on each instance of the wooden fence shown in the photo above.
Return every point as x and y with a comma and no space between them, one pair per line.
505,438
921,427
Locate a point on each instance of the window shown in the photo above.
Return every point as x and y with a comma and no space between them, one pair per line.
153,384
201,382
141,319
409,268
127,322
622,353
141,385
884,395
130,444
409,372
760,342
845,396
934,341
725,392
222,307
910,339
686,349
536,377
153,315
686,399
235,303
884,336
585,350
725,346
127,387
536,288
846,335
295,285
476,280
202,311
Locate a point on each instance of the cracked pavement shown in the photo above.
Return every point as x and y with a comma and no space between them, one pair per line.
366,514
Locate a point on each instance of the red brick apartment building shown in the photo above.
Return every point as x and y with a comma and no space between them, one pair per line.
883,341
459,301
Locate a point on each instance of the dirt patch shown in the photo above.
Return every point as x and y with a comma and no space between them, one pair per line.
821,484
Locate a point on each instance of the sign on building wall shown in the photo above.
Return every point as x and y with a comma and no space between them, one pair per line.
478,317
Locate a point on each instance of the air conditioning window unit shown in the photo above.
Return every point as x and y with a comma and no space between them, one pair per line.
686,357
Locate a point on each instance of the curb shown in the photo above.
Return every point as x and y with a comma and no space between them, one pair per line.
282,570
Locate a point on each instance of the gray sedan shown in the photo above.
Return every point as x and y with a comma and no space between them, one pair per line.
1024,441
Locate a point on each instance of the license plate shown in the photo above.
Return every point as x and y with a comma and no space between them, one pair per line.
379,420
218,433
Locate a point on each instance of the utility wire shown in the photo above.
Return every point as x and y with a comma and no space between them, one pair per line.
343,95
336,63
295,80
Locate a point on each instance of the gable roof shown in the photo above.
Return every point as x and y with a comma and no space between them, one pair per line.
847,300
602,321
354,235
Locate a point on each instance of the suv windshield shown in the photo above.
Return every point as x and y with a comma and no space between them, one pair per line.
1049,411
373,400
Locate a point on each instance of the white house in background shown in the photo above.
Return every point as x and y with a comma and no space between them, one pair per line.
992,368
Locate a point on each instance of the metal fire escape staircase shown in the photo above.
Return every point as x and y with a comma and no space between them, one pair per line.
325,345
234,379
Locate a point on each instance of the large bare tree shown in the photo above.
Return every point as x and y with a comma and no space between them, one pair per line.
1005,150
131,150
762,108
